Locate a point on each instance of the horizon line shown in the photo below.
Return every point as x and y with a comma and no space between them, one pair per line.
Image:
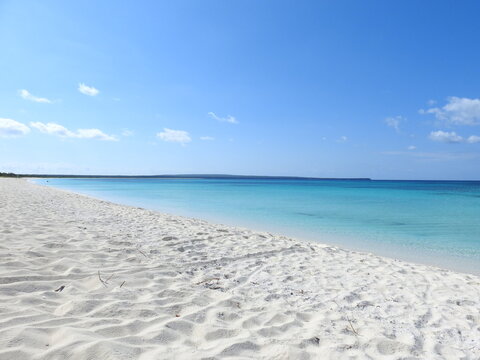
205,176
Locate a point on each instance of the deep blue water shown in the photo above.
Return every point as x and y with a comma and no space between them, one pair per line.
433,222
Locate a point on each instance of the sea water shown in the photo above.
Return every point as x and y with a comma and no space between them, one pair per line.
431,222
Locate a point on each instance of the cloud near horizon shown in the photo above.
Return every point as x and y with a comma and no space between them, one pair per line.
12,128
179,136
457,111
59,130
434,156
229,119
88,90
25,94
207,138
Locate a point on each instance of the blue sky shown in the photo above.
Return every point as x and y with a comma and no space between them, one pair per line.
381,89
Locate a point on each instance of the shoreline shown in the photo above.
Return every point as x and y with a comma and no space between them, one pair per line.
350,243
141,283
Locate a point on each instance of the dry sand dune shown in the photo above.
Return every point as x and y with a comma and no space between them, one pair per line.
82,278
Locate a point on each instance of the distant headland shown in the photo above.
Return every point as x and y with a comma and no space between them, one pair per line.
175,176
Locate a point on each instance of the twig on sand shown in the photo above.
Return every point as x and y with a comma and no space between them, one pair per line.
122,283
104,282
60,289
353,329
207,280
141,252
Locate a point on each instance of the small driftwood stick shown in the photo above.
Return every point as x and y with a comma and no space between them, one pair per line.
207,280
104,283
353,329
141,252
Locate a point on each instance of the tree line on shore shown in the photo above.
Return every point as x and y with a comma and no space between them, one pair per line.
5,174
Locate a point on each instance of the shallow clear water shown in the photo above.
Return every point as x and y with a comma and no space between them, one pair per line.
433,222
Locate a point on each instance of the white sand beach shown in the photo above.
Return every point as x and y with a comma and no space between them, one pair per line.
82,278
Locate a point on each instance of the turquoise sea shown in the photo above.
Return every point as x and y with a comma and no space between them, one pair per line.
431,222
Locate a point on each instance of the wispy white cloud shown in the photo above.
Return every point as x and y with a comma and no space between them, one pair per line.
127,132
452,137
411,147
52,129
12,128
457,111
25,94
207,138
94,134
59,130
473,139
229,119
446,137
435,156
179,136
343,139
88,90
394,122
